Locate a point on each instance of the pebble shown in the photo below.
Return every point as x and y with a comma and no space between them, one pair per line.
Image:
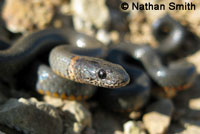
115,37
135,115
82,117
19,17
31,116
157,120
194,103
56,102
89,13
103,36
191,126
131,127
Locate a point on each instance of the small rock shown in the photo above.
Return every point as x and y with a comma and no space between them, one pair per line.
135,115
115,37
65,7
194,104
192,126
103,36
82,116
131,127
27,15
56,102
31,116
88,13
157,120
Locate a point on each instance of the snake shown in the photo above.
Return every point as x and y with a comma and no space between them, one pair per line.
70,62
172,77
67,61
144,65
174,38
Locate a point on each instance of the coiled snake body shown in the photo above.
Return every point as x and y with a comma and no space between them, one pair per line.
172,77
64,59
68,61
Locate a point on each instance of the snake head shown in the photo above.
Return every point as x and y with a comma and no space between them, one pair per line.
86,69
102,73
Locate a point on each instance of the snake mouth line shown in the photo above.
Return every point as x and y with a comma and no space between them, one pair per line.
119,85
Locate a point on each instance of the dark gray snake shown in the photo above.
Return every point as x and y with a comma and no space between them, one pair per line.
174,38
65,60
174,77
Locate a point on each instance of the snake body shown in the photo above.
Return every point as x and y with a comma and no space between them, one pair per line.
174,77
174,38
170,33
51,84
72,63
31,45
66,61
178,75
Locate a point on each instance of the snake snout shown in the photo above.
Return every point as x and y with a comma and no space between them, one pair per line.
120,77
126,79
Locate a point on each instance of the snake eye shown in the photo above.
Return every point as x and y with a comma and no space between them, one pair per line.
102,74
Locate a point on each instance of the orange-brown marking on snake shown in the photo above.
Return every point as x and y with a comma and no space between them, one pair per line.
71,68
